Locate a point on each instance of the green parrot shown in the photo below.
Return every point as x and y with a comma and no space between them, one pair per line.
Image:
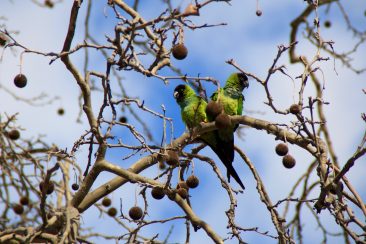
193,113
231,98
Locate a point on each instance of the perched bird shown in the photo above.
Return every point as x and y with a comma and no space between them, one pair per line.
231,99
192,106
193,113
231,95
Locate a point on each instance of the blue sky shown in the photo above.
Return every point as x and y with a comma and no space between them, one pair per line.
252,42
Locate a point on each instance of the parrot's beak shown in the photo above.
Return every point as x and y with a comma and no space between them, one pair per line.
176,94
246,83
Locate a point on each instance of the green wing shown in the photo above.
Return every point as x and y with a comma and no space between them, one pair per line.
194,112
240,105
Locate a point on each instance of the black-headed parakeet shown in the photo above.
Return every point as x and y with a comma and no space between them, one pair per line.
193,113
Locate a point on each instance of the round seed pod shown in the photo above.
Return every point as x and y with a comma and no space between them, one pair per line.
106,202
288,161
213,109
75,187
281,149
258,12
222,121
157,192
122,119
295,109
112,212
49,3
24,200
14,134
20,81
50,187
61,111
18,209
135,213
192,181
183,193
327,24
179,51
173,158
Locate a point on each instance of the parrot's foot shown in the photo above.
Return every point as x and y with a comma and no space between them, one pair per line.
201,124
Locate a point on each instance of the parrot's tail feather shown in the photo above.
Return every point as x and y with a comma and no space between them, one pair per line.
225,152
231,171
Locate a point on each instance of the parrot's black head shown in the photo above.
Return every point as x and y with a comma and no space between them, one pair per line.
243,80
179,93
